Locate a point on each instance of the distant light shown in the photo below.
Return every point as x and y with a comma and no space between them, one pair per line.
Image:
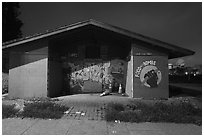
186,73
194,74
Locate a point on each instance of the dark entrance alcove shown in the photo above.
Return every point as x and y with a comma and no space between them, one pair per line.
75,52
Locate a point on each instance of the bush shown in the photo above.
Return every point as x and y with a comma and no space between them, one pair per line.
159,112
4,83
4,90
116,106
41,99
111,115
130,116
9,111
43,109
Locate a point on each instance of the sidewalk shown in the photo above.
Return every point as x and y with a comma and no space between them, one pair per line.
17,126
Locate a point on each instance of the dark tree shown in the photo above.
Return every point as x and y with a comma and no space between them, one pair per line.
10,23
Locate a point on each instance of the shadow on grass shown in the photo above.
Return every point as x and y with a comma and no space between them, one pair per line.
158,112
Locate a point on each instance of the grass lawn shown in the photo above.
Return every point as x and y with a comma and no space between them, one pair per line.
175,109
158,111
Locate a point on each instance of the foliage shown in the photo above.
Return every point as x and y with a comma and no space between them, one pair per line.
10,23
159,112
4,90
43,109
41,99
4,83
8,111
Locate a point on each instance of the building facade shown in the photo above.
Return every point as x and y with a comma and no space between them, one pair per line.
88,57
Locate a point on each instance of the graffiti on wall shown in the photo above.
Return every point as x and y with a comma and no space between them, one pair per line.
103,72
118,71
90,71
148,73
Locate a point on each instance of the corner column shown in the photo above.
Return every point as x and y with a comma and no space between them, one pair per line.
150,73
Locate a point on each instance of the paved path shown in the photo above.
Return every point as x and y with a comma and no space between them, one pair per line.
89,106
17,126
87,113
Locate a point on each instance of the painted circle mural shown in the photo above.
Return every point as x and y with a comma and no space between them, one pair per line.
150,76
148,73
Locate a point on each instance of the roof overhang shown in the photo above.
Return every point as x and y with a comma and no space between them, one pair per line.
172,50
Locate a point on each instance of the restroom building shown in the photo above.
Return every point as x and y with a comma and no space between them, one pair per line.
88,57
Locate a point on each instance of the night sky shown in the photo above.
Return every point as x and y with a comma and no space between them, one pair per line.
175,23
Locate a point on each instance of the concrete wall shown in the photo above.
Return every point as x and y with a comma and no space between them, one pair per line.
129,78
150,74
89,76
28,72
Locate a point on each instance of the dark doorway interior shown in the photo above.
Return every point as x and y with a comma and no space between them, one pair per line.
72,55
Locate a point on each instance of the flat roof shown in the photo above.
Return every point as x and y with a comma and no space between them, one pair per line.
173,50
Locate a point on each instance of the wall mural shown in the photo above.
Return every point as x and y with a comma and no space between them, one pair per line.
104,73
90,71
150,76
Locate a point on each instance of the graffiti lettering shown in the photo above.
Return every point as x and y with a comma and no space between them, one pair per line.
100,72
151,62
148,73
145,63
